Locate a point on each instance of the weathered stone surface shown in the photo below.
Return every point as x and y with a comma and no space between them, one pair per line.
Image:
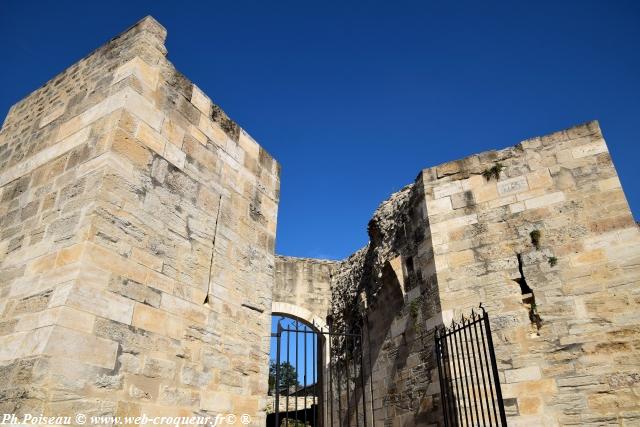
454,239
109,215
137,267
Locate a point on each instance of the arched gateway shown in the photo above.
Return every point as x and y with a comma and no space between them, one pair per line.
331,389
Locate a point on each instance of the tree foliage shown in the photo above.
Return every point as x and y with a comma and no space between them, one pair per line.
288,376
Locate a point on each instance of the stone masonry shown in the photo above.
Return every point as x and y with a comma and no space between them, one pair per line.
136,254
138,274
542,235
302,288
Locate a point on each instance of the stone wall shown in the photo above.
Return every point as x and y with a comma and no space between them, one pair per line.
542,235
555,218
390,289
302,288
136,255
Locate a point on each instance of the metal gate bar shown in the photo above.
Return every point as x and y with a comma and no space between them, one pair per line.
344,367
466,400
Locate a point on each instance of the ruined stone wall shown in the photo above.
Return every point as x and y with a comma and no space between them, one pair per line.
136,255
542,235
303,288
389,289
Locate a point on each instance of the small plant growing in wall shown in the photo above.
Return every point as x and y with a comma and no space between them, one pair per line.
493,172
552,261
535,236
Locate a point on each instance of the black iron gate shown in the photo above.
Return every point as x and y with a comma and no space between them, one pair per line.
469,383
329,385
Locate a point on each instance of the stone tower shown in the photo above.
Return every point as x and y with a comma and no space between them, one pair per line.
136,256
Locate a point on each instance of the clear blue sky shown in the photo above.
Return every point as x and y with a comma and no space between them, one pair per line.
354,98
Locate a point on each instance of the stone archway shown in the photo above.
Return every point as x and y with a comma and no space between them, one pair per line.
312,366
300,313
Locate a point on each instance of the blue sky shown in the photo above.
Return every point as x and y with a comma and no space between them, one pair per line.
354,98
292,348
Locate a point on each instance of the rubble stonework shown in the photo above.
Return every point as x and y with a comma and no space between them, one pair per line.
138,275
138,228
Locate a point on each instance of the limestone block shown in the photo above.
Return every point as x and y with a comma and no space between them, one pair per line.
249,145
530,373
609,184
213,131
521,197
546,200
473,182
516,207
70,254
101,303
24,344
440,262
439,206
180,307
41,264
462,200
512,185
44,156
530,405
127,146
82,347
245,405
159,281
52,115
447,189
60,294
541,178
63,316
201,101
192,375
108,161
140,69
486,192
173,132
449,168
103,108
198,135
604,402
174,155
142,108
216,402
108,260
157,321
135,291
589,257
158,368
454,223
150,138
458,259
147,259
590,149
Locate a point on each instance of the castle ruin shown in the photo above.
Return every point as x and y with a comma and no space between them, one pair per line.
138,274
